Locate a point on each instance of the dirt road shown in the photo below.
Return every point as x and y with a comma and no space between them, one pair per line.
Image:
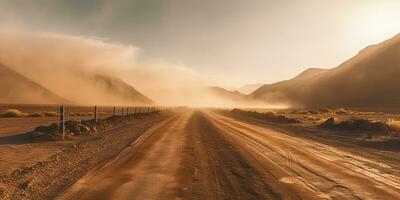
204,155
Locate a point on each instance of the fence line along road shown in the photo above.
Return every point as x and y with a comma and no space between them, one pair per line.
137,110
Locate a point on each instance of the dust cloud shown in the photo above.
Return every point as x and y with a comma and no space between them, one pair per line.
70,66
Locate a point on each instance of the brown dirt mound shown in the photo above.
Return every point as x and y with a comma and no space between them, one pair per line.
81,128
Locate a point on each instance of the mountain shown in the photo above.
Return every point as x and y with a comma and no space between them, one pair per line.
91,88
121,90
247,89
16,88
370,78
77,86
224,94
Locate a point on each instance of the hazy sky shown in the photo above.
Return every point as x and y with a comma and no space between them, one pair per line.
245,41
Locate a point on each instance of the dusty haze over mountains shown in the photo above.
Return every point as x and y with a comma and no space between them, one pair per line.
371,78
92,71
15,88
173,52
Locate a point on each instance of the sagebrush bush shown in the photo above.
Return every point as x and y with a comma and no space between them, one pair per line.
44,114
35,114
355,124
268,116
342,111
51,114
13,113
394,125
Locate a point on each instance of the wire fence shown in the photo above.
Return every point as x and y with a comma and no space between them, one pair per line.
24,118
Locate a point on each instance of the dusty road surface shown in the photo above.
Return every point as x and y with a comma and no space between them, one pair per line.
204,155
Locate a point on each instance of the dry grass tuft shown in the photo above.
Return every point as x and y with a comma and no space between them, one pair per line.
44,114
354,124
51,114
394,125
329,122
13,113
268,116
342,111
311,118
36,114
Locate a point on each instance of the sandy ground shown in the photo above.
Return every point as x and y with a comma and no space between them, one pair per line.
205,155
38,170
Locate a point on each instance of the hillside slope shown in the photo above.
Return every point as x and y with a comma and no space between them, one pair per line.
122,90
77,86
16,88
226,94
368,79
247,89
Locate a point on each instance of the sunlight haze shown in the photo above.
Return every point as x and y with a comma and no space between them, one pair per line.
247,41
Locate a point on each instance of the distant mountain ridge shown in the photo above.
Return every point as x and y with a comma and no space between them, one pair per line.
247,89
119,88
84,89
370,78
16,88
227,94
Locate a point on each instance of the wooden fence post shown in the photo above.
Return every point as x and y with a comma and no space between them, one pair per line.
122,111
114,112
62,121
135,110
127,111
95,114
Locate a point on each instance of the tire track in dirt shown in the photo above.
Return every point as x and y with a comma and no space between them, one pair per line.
144,170
325,171
214,169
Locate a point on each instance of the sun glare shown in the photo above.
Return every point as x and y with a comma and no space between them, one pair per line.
376,22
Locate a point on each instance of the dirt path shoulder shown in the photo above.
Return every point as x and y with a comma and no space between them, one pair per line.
44,178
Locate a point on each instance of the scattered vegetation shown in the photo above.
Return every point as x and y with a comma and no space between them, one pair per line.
268,116
311,118
343,111
13,113
354,124
382,142
394,125
333,111
44,114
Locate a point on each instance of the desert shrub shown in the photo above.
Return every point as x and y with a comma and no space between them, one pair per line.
394,125
324,110
354,124
300,112
36,114
13,113
44,114
311,118
329,122
268,116
313,112
80,114
51,114
342,111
